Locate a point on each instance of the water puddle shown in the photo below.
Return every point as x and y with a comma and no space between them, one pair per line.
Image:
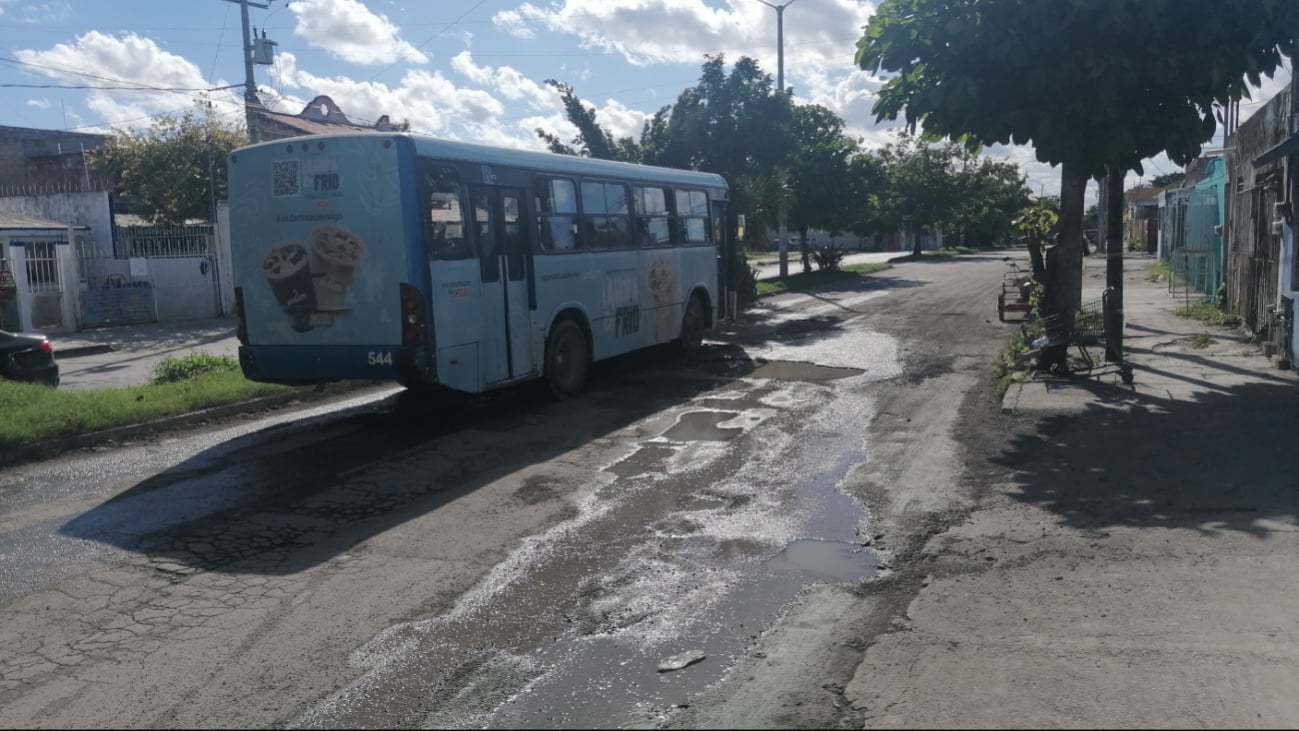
834,560
648,459
702,426
780,370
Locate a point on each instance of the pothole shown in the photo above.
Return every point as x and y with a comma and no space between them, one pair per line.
702,426
836,560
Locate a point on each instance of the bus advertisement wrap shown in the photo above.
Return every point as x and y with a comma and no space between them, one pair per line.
316,249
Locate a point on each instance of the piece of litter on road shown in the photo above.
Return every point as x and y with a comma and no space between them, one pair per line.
676,662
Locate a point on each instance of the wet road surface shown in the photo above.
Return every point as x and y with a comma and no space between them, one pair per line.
514,563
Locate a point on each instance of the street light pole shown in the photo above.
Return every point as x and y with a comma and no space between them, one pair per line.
782,235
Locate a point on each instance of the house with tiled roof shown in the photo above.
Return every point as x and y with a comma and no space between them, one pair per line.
320,116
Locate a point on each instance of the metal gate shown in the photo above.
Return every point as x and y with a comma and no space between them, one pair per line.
149,274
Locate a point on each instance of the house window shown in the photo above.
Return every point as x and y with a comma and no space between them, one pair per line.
42,266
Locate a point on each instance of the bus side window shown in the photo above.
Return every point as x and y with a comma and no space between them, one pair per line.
446,233
693,223
489,246
653,221
606,217
557,214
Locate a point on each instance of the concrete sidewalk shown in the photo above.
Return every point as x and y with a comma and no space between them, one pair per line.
1134,559
126,355
1175,359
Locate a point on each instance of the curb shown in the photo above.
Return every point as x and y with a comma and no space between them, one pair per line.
64,445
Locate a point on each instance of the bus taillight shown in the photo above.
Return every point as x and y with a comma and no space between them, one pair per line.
241,331
414,316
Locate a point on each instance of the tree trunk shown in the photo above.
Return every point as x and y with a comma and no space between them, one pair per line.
1063,292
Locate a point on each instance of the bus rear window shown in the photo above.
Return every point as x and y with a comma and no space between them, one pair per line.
444,213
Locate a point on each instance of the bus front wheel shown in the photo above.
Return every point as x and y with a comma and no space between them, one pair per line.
567,360
692,328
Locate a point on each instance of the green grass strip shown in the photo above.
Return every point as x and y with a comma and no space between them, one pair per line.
31,414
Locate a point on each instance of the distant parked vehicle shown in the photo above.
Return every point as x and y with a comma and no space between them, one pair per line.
28,358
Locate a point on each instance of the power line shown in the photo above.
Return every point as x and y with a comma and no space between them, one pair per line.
118,88
133,85
220,38
429,40
172,112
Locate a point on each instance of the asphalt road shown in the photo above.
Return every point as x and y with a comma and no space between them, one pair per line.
376,563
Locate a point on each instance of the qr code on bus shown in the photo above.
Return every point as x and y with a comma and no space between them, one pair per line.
284,178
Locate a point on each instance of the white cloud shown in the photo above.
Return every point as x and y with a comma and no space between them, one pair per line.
429,101
817,36
39,103
351,31
100,60
511,22
509,82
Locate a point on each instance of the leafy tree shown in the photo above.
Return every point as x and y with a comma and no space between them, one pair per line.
1093,85
173,171
1171,180
989,193
822,193
920,193
592,140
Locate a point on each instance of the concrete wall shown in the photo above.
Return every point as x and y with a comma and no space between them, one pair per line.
184,288
20,146
75,209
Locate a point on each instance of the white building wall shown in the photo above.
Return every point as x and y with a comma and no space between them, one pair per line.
74,209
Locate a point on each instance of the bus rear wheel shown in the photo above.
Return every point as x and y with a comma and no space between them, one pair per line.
567,360
692,328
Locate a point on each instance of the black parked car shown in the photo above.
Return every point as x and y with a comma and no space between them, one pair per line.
28,358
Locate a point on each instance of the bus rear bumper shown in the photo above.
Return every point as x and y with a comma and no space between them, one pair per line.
301,365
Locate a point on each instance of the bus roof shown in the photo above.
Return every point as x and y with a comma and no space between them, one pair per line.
544,161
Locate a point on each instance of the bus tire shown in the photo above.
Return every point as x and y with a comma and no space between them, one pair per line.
567,360
692,328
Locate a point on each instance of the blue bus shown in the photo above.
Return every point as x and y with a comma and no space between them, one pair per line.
436,263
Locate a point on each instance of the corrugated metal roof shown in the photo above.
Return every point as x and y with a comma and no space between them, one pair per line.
308,127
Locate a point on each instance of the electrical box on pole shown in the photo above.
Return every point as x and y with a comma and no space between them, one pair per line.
264,50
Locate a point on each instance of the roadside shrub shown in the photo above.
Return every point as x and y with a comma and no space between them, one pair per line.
745,279
1208,312
185,368
828,257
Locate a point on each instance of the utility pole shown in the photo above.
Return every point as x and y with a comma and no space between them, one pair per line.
1112,193
251,101
782,234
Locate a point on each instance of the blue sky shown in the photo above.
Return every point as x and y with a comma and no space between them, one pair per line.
463,69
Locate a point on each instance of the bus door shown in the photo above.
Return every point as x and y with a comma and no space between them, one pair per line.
501,226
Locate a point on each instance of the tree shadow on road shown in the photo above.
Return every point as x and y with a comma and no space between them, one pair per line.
1223,460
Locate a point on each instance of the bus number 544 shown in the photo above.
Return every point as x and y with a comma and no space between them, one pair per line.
383,357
